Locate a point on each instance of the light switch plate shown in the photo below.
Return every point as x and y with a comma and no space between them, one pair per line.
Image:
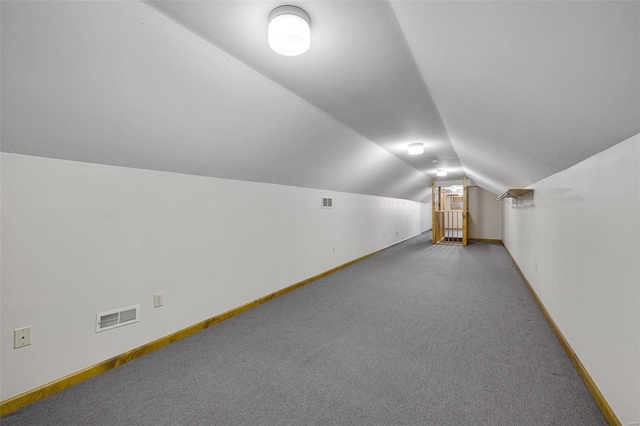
158,300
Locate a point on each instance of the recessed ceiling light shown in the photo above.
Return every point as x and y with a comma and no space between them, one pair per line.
435,160
441,172
289,30
416,149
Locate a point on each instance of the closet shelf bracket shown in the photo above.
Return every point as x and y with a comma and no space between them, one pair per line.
517,197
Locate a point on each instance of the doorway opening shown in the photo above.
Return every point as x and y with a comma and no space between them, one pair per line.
450,212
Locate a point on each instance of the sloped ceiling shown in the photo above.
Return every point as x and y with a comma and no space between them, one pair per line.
506,93
527,89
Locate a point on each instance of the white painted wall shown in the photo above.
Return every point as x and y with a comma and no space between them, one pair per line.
425,216
485,214
356,225
80,238
578,247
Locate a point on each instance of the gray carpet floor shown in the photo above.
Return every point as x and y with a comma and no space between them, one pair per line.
415,335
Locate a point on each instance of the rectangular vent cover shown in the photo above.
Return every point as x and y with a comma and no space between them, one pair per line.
327,203
117,317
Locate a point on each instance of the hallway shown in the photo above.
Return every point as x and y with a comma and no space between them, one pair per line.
417,334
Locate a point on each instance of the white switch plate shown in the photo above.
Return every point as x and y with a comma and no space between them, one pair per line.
21,337
157,300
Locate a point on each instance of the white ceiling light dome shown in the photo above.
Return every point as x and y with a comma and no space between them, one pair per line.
441,172
416,149
289,30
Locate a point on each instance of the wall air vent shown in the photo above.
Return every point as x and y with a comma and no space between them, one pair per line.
327,203
117,317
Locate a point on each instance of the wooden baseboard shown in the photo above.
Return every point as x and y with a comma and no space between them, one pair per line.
29,397
593,388
486,240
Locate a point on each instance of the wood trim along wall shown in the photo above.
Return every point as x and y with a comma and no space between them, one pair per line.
486,240
588,381
29,397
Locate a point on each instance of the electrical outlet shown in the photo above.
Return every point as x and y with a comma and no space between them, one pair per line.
334,250
158,300
21,337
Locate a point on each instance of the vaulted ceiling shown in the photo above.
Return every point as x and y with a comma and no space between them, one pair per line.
505,93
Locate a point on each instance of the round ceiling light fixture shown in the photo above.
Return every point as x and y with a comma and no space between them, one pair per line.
441,172
416,149
289,30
